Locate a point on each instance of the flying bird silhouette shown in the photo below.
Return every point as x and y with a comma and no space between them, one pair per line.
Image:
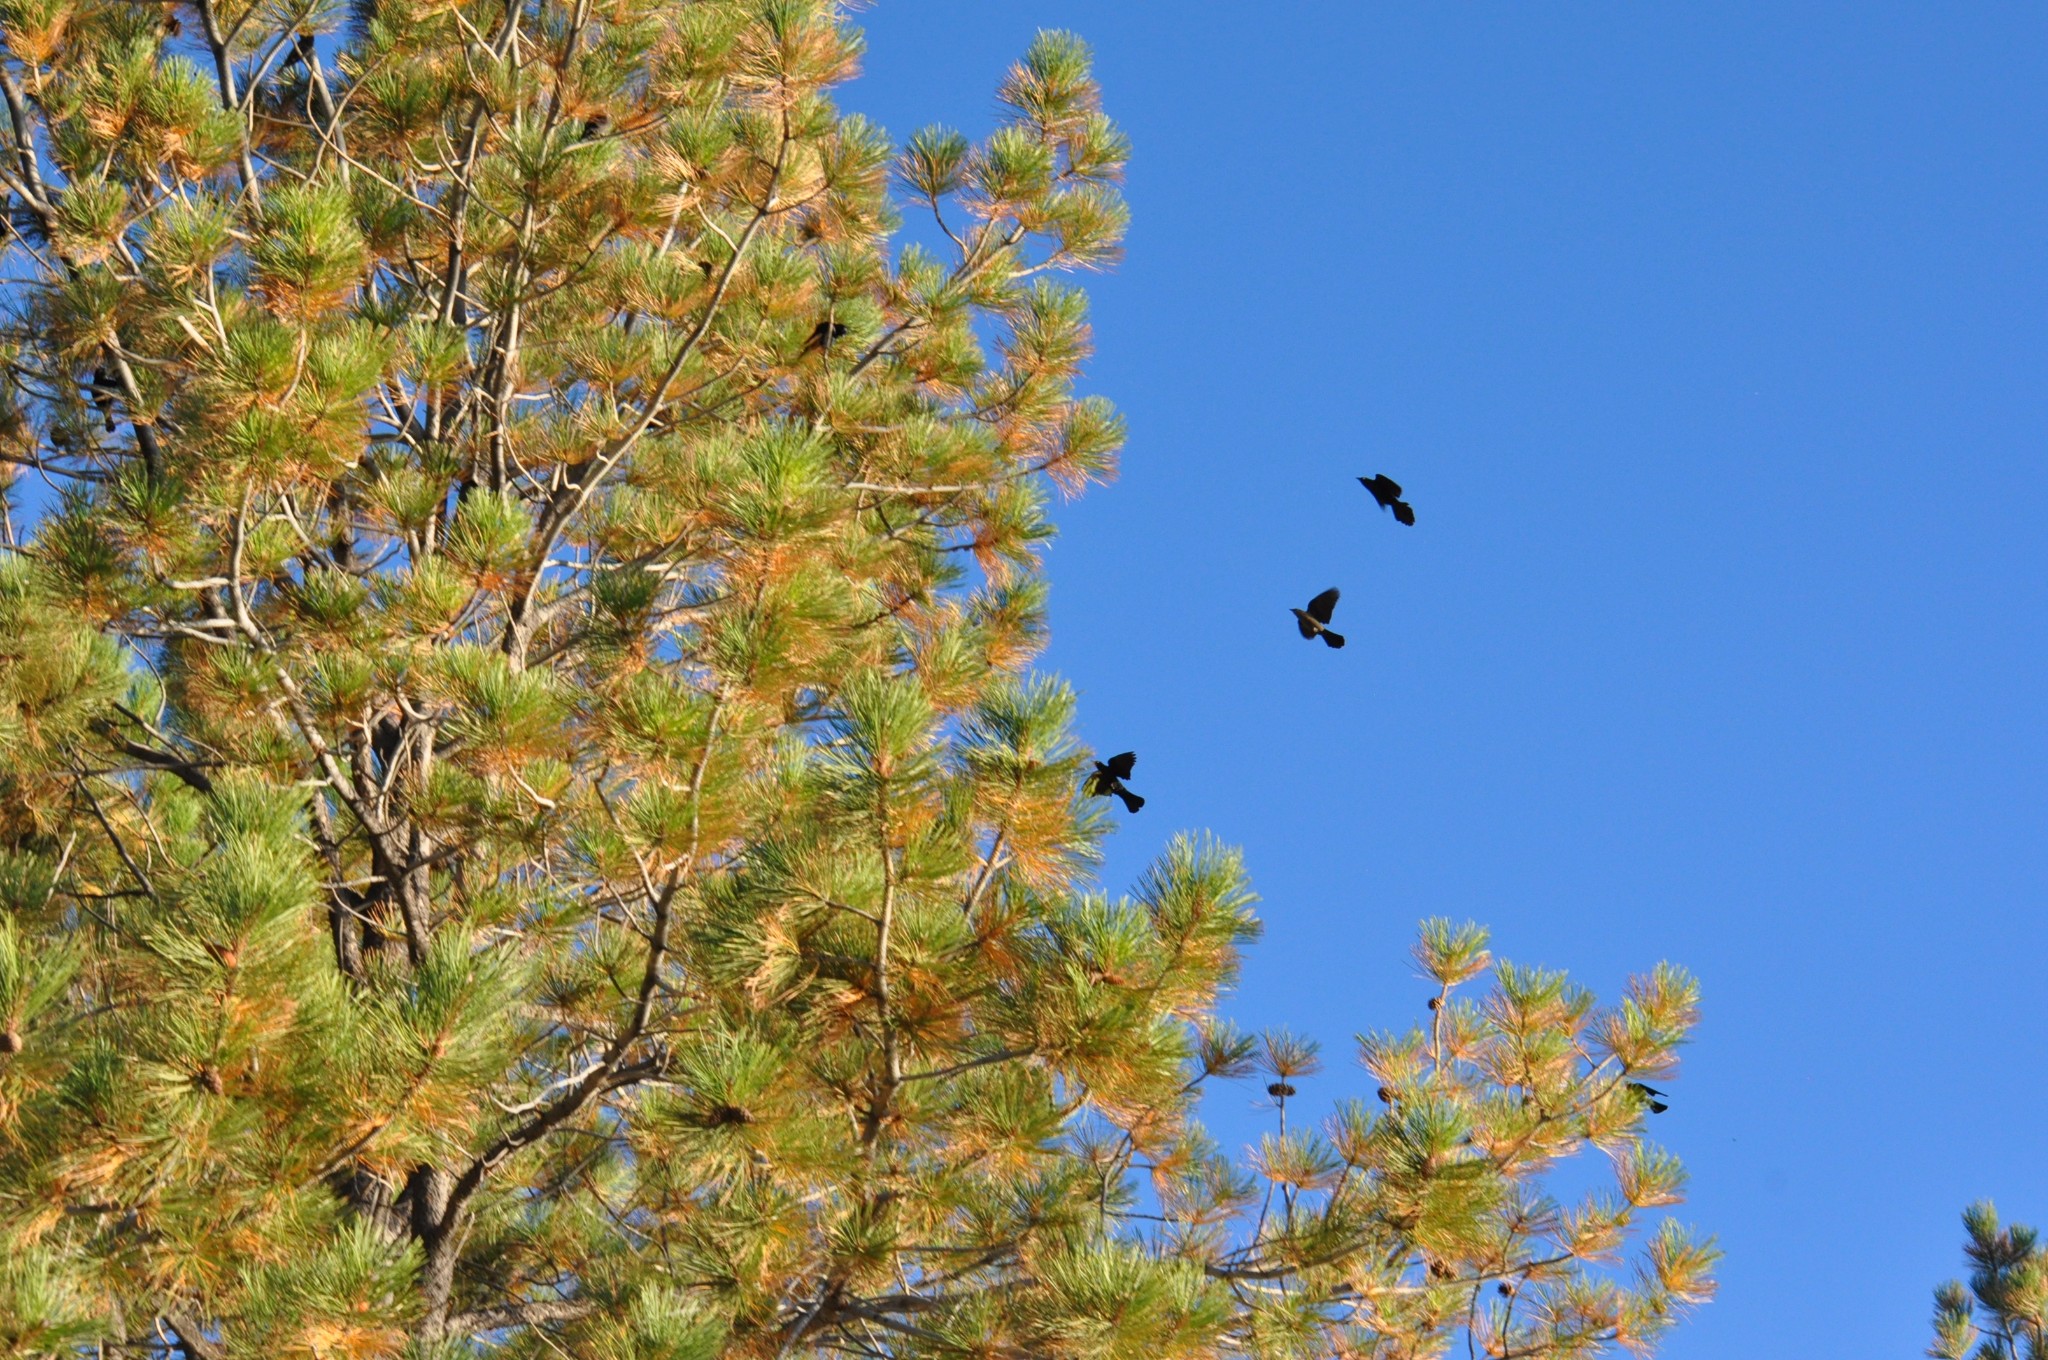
1649,1095
1109,778
1315,619
1387,492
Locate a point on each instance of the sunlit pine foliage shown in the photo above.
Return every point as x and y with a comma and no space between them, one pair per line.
2001,1313
525,822
1423,1217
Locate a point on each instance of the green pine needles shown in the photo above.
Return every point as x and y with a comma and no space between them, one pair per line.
2003,1311
525,822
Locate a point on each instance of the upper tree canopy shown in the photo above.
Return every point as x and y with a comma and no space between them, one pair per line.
2002,1313
523,820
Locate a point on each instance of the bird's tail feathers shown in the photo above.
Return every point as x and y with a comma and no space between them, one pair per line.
1334,639
1132,802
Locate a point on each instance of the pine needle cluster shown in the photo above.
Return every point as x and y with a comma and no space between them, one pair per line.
525,821
2002,1312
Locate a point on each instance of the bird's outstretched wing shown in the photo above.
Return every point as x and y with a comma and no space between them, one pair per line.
1649,1095
1323,605
1384,489
1120,767
1404,512
1100,782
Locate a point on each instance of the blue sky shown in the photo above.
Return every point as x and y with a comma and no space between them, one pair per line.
1710,342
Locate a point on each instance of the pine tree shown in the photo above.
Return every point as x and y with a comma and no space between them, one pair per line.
525,818
2003,1310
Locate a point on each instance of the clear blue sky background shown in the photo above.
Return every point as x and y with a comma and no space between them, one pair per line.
1710,341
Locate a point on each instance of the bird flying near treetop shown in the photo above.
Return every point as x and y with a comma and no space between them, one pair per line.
1314,620
1387,492
1109,778
1649,1095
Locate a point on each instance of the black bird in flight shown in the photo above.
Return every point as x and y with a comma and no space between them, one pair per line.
1109,778
1315,619
1387,492
1649,1095
823,334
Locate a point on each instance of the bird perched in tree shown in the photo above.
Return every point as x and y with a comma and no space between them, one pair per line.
1649,1095
1315,619
823,334
1109,778
1387,492
102,388
385,739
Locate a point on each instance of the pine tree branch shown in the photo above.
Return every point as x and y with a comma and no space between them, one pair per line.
217,44
190,1337
120,847
610,1073
892,1060
531,1313
500,367
944,1345
803,1324
186,770
939,1073
564,504
33,191
30,185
